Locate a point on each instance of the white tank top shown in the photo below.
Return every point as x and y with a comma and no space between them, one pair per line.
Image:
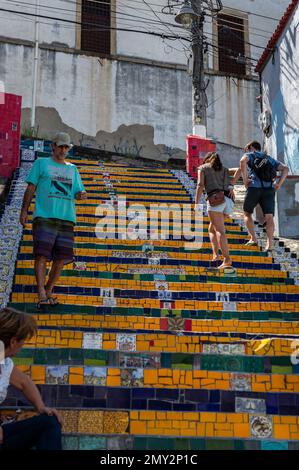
5,373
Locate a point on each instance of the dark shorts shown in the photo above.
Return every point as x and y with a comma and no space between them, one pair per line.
265,197
53,239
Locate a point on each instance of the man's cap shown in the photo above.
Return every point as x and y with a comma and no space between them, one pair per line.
62,138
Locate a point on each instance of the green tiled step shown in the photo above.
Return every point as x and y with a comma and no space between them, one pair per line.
211,362
198,314
118,442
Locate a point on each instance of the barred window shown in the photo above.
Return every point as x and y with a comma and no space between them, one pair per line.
231,44
95,28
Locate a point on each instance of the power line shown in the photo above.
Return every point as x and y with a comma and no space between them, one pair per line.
147,19
97,26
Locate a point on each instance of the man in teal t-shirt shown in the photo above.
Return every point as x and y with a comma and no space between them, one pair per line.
56,184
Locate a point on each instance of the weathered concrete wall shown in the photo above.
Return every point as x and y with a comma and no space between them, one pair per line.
280,83
106,101
233,110
287,208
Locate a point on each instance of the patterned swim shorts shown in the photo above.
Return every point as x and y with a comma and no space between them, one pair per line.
53,239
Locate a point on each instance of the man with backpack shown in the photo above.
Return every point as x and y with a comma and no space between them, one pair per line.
259,172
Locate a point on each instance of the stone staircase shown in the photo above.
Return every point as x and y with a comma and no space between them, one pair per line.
151,347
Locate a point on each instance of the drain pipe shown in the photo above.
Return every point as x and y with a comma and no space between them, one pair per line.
35,71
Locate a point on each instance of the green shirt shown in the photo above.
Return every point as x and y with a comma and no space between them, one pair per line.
56,187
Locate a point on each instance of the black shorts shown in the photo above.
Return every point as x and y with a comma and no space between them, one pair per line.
265,197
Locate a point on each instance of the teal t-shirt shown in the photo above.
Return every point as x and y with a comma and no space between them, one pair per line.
56,187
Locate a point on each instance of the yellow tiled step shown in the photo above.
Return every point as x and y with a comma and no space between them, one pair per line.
154,324
169,423
184,256
168,378
159,342
97,301
139,243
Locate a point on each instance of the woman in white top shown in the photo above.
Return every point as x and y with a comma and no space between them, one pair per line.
43,431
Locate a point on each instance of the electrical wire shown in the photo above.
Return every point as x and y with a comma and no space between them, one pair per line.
97,26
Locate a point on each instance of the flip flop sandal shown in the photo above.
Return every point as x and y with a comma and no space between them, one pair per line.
53,301
42,303
251,244
229,270
225,266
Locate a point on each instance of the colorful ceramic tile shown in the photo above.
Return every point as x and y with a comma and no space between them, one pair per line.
132,377
240,382
165,295
154,261
125,342
95,375
58,375
222,296
80,266
225,349
161,285
92,340
274,445
109,302
107,292
150,361
250,405
261,426
176,324
229,307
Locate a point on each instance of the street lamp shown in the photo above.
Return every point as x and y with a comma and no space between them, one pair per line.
186,16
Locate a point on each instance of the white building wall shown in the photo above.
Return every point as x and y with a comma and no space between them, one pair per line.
280,84
21,25
91,96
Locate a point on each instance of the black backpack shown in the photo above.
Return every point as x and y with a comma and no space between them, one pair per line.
262,167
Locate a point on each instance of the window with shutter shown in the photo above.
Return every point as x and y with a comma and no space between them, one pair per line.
231,45
95,26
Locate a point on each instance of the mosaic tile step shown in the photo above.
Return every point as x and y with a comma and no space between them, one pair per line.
178,324
216,357
134,358
104,277
88,235
166,399
172,444
161,270
228,294
181,424
238,261
188,305
94,250
165,311
122,284
256,345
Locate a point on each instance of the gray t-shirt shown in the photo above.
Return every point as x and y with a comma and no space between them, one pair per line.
215,180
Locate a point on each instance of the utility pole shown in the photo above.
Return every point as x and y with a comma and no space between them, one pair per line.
199,83
191,16
35,68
